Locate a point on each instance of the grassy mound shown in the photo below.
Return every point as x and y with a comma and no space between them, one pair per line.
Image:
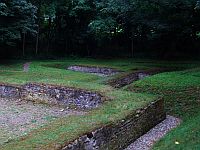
181,91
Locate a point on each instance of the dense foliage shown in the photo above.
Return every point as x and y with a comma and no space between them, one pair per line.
16,17
101,27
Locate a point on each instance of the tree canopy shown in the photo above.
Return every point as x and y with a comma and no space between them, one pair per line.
96,27
16,17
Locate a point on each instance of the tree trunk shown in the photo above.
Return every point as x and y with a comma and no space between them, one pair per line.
49,34
37,41
24,40
132,48
66,46
88,51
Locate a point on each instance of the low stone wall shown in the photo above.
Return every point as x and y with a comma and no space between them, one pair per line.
118,136
110,137
61,96
102,71
54,95
134,76
10,91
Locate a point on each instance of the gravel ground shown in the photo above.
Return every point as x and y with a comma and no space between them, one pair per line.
17,117
146,141
99,71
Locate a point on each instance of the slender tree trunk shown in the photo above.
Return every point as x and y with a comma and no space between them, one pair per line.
48,47
132,48
49,34
24,40
37,42
88,51
66,46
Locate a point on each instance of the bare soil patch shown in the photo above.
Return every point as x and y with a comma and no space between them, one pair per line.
17,117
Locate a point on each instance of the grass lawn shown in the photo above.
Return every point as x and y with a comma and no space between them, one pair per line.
180,90
56,133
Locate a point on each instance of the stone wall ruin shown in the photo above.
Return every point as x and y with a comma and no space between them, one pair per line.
118,136
101,71
53,95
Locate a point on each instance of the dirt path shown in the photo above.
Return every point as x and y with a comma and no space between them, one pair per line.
26,66
146,141
17,117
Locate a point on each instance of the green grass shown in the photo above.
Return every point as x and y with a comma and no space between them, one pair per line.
187,135
119,104
180,89
66,129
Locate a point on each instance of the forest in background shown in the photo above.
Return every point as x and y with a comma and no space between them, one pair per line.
129,28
